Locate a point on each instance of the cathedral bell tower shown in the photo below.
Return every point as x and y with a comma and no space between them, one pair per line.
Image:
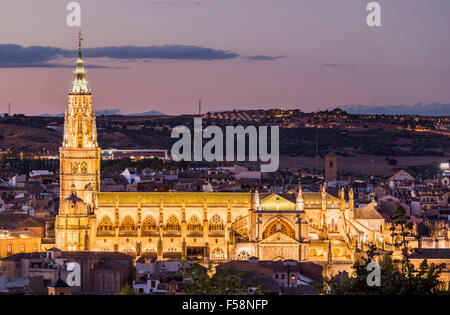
79,165
80,154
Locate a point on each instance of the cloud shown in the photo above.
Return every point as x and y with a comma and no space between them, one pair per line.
264,58
171,52
336,65
16,56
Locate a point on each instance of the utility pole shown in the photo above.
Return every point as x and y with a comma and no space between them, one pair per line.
9,109
200,107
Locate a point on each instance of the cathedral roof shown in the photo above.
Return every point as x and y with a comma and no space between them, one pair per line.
368,212
172,197
199,197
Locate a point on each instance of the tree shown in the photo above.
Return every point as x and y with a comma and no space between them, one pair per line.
207,281
126,290
396,279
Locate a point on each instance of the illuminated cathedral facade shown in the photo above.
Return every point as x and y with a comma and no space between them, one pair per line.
214,226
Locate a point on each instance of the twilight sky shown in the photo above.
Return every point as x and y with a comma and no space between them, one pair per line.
243,54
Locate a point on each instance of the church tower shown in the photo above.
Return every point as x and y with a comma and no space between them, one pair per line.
79,166
80,154
330,167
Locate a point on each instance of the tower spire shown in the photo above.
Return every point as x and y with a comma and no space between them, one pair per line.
79,83
300,204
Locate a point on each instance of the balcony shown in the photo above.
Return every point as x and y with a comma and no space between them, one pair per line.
194,233
130,233
172,233
106,233
216,233
150,233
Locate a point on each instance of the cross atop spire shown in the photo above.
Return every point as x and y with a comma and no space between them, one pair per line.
80,38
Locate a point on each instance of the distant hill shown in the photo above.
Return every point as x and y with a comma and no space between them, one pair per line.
149,113
434,109
112,112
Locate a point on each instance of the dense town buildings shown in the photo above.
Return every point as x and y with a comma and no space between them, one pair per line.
224,214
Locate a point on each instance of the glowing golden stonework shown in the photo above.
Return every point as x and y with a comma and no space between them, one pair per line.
305,226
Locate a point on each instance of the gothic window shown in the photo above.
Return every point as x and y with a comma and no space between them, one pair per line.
216,223
217,253
243,255
128,224
106,224
284,228
333,226
172,223
149,224
194,224
84,168
75,168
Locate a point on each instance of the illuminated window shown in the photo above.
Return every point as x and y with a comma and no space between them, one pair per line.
243,255
84,168
284,228
217,253
194,224
128,224
106,224
216,223
22,248
149,224
172,223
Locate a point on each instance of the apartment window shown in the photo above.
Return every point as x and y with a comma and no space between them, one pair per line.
276,276
283,276
22,248
9,249
35,248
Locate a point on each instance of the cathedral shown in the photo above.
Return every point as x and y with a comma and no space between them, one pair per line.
213,226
